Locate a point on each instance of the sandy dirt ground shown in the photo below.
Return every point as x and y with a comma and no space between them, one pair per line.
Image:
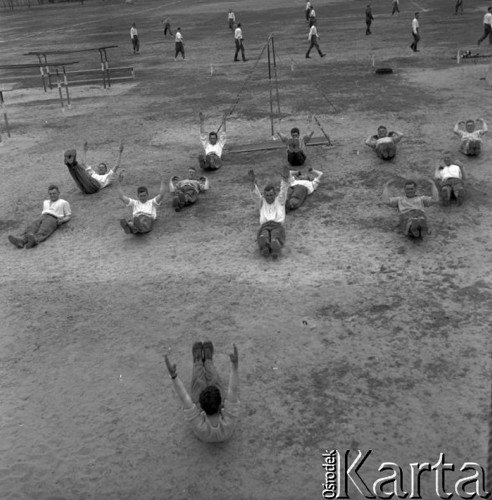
354,339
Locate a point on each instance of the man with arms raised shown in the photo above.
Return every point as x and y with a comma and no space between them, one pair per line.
212,413
271,235
144,210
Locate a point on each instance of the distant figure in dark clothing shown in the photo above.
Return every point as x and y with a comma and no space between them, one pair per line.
369,19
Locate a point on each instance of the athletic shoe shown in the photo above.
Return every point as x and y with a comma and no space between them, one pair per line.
208,350
126,227
197,351
17,242
275,244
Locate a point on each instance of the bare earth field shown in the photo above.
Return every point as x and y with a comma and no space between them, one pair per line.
354,339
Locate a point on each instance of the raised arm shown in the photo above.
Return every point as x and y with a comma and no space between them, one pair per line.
255,192
118,163
284,184
435,192
484,126
84,154
178,385
121,195
457,128
233,389
463,174
162,190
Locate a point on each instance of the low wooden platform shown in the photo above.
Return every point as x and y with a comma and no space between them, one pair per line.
268,145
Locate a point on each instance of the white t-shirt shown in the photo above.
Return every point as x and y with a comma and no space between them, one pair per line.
415,25
449,171
313,31
310,185
133,32
148,208
178,37
214,148
104,180
59,208
238,34
272,211
487,19
471,136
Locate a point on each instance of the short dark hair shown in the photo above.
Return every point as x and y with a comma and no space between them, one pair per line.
142,189
410,183
210,400
53,186
269,187
238,25
295,130
212,134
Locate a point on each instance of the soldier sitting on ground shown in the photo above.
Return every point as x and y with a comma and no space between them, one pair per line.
471,136
413,220
295,146
213,144
186,191
384,142
450,177
212,412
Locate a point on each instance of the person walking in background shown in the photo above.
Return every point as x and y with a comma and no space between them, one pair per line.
369,19
415,32
238,38
458,6
179,44
487,27
313,41
231,19
134,38
308,9
312,16
396,7
167,26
